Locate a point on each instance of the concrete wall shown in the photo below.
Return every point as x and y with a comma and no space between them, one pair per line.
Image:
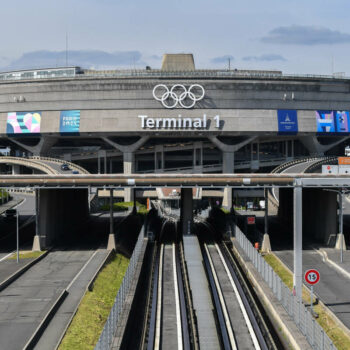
113,105
319,214
61,212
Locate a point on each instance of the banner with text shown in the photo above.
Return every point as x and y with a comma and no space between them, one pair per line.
287,121
70,121
332,122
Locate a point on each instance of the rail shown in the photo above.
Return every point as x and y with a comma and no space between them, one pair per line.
106,337
302,317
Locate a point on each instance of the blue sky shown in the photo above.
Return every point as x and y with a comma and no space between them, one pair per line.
293,36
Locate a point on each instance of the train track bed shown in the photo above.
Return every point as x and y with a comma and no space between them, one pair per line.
239,321
167,322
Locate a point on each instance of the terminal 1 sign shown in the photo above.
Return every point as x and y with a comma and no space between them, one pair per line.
179,122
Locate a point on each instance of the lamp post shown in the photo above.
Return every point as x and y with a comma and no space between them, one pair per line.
17,234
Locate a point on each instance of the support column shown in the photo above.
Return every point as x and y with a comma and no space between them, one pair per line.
227,168
266,245
36,242
340,243
129,168
186,211
111,238
15,169
298,240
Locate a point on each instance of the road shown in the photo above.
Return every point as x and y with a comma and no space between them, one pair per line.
26,301
333,288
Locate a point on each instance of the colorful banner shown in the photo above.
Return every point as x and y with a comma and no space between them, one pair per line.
325,121
332,122
342,121
70,121
287,121
23,123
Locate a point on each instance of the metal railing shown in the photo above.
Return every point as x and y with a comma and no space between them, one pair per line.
109,329
302,317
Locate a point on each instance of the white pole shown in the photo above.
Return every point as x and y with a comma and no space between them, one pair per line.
17,236
298,239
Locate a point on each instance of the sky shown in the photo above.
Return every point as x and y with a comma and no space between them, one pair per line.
297,37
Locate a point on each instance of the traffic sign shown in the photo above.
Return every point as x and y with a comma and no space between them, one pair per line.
312,276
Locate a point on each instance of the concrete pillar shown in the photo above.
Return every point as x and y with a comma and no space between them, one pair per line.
111,238
227,168
129,168
159,158
198,157
266,245
186,211
340,242
298,241
15,169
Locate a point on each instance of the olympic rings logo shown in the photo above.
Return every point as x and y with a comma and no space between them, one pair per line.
178,95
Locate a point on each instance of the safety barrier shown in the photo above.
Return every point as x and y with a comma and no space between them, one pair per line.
302,317
60,161
30,163
106,337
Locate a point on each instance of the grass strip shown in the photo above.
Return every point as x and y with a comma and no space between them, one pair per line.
86,327
340,339
26,255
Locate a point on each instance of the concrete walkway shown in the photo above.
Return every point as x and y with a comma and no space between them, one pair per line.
333,288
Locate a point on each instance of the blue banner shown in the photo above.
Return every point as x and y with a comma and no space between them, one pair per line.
70,121
325,121
287,121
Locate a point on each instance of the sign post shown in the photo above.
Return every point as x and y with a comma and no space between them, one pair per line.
312,277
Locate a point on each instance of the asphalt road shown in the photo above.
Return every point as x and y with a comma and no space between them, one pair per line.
26,301
333,288
56,328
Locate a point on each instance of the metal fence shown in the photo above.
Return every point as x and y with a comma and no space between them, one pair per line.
106,337
294,307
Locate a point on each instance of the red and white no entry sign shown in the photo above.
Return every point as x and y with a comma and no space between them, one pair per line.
312,276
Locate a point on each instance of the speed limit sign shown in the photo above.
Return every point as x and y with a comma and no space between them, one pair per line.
312,276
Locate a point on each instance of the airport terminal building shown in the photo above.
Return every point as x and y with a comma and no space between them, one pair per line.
173,119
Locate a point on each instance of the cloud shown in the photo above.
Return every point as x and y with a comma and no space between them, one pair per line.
265,57
222,59
83,58
305,35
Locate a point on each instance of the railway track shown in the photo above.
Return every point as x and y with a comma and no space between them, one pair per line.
167,324
240,323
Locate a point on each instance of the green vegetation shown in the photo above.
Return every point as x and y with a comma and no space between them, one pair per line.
340,339
124,206
4,195
26,255
87,324
226,211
